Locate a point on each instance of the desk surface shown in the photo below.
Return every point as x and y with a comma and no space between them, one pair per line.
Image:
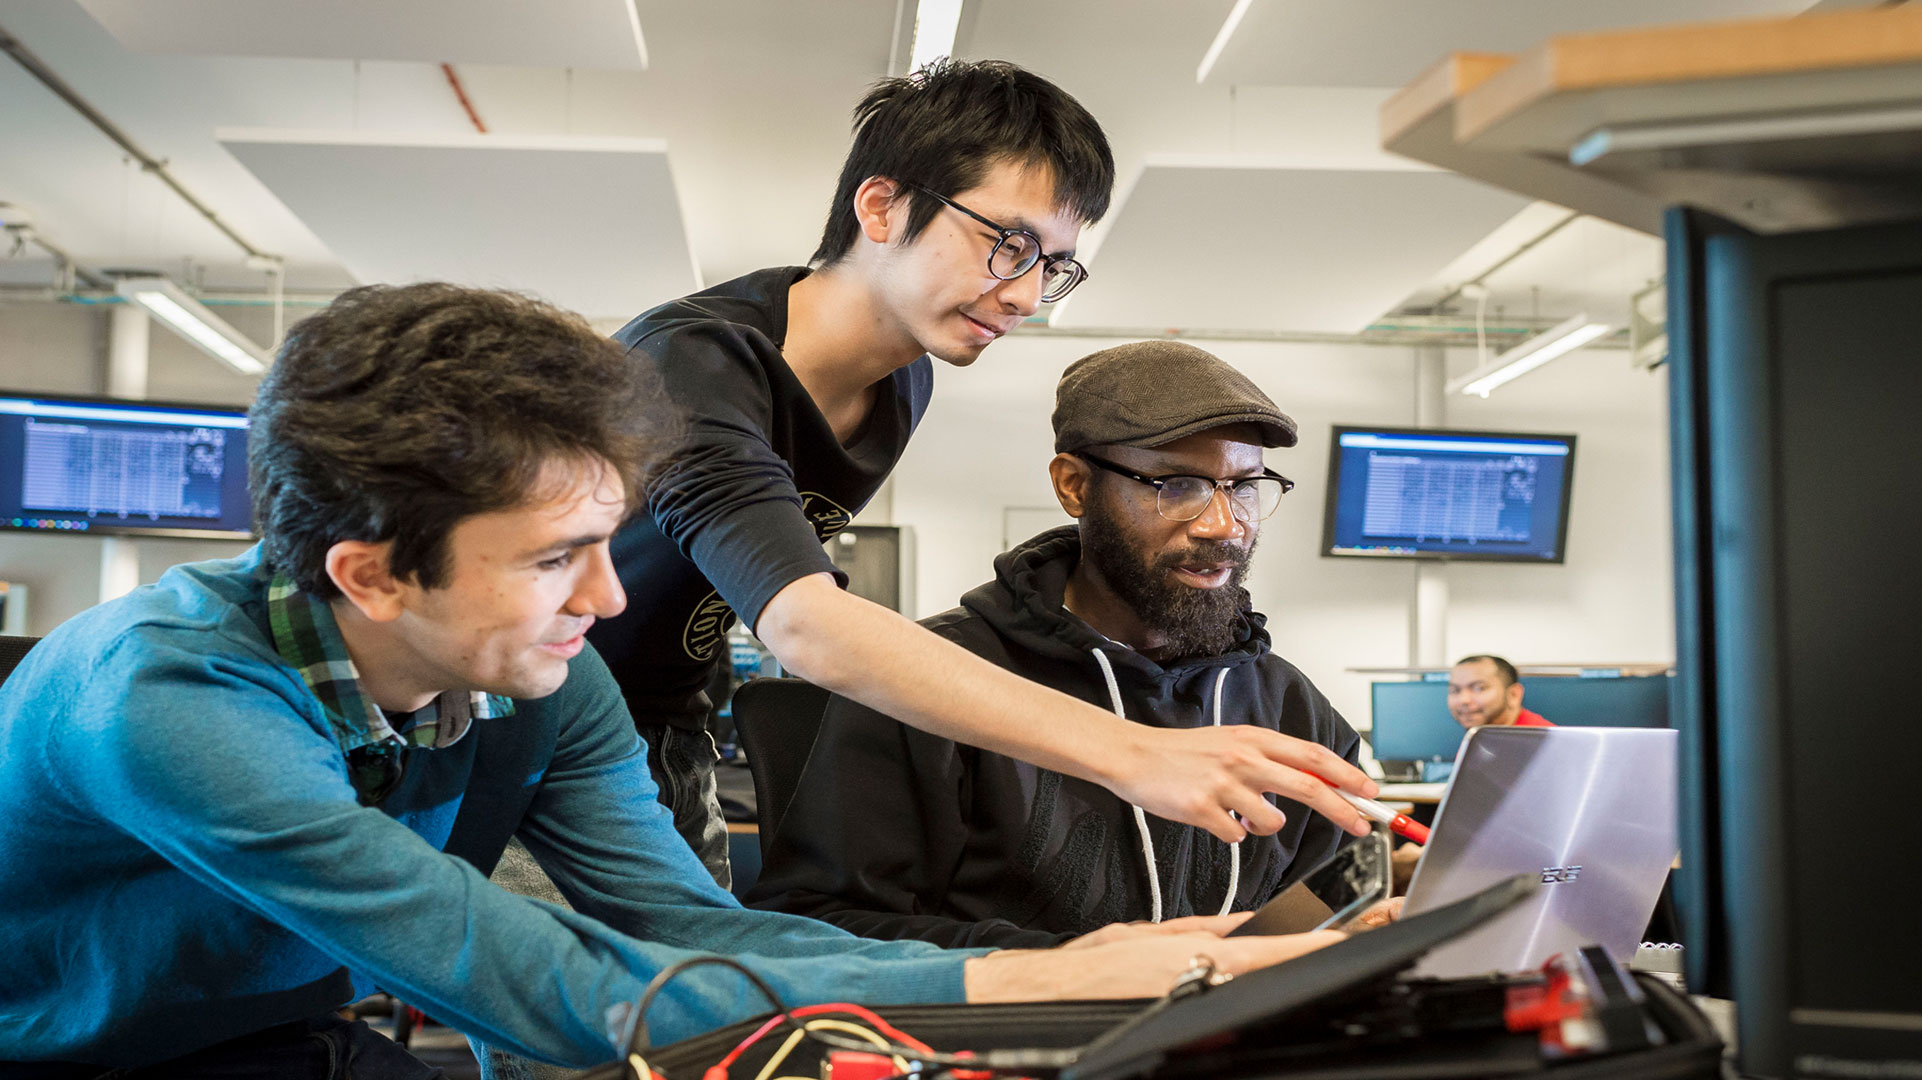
1778,124
1414,793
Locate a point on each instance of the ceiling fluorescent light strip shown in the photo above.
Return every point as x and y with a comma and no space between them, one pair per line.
191,320
1222,37
1686,135
634,25
935,24
1558,340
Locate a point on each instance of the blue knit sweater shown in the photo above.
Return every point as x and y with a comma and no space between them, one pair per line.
183,860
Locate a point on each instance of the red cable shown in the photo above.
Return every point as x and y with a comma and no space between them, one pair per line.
453,80
719,1068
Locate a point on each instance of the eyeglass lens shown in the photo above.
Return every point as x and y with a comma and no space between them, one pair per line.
1058,278
1017,253
1185,498
1014,255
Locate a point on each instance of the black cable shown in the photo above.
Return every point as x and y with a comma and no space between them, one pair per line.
638,1038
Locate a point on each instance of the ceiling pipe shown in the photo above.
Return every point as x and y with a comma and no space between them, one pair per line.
460,92
34,66
51,294
68,264
1506,259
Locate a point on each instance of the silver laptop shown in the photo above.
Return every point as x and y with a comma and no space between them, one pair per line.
1592,810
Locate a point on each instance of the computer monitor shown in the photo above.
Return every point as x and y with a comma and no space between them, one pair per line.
1427,493
1411,722
1599,701
143,468
1793,381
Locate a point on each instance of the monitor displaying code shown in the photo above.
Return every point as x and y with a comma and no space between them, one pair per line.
1403,493
104,466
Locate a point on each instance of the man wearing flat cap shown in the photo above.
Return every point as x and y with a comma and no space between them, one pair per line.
1137,608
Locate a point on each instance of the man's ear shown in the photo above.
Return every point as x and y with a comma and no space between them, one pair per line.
1515,695
1072,480
876,203
360,571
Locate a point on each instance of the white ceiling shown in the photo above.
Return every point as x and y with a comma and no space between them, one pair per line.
399,210
750,100
551,33
1318,250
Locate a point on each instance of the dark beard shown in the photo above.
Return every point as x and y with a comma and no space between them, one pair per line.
1197,622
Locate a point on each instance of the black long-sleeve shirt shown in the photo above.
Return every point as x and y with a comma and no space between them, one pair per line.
742,510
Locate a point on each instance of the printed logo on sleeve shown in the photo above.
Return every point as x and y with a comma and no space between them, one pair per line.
707,628
826,515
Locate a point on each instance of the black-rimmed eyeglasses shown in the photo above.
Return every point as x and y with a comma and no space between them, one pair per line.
1016,251
1185,498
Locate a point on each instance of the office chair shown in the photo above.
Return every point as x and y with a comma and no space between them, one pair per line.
776,721
12,651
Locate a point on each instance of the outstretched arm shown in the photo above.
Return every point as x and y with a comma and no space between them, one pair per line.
1135,965
1202,777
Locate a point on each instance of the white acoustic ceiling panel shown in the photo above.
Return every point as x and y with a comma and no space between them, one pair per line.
1316,250
1389,42
528,33
592,224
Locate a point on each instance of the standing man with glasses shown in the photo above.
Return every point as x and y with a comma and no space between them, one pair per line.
1138,609
956,215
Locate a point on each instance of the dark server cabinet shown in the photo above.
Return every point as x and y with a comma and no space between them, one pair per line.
1796,386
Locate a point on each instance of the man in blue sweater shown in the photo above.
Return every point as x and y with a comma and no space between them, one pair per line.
245,796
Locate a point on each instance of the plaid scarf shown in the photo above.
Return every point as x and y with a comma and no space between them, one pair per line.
308,639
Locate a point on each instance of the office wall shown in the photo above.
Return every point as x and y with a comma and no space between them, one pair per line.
986,441
62,349
984,446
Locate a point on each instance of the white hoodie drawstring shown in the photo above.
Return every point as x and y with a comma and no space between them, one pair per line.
1234,849
1141,817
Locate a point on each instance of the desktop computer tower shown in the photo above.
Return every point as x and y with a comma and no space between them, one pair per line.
1796,411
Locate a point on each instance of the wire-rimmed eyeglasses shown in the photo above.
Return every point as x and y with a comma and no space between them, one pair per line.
1184,498
1016,251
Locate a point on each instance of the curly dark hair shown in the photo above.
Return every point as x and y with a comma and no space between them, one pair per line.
398,411
945,125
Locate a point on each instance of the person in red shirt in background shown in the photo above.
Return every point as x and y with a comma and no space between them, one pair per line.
1482,689
1488,690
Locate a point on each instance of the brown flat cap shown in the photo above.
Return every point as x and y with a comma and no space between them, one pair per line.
1149,393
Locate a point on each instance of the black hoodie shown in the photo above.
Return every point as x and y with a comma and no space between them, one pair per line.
895,833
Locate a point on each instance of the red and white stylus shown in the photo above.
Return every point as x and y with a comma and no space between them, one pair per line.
1400,824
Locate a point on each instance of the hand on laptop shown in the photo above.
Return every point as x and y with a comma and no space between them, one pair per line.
1380,915
1142,964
